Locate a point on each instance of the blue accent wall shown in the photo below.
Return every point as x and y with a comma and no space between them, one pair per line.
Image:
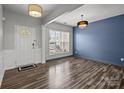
101,40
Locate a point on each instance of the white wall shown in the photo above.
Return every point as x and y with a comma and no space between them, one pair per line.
59,27
12,19
1,28
43,49
1,46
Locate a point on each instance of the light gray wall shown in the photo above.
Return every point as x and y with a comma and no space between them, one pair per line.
1,28
1,46
58,27
12,19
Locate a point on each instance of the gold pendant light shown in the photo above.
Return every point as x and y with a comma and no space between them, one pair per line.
35,10
82,23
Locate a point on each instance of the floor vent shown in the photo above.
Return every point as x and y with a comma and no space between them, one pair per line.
22,68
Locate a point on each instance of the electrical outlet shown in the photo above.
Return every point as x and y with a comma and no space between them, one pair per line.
76,52
122,59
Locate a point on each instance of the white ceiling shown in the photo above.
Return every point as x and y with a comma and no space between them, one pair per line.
91,12
23,8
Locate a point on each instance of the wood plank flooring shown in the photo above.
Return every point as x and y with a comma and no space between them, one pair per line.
66,73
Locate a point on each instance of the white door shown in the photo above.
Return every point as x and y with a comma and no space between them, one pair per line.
24,38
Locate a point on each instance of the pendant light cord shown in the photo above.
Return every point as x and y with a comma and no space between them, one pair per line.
82,17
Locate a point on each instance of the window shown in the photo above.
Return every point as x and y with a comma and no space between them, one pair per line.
58,42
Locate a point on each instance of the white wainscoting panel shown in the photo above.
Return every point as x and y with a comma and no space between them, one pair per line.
37,55
1,68
9,59
1,61
24,57
28,56
16,58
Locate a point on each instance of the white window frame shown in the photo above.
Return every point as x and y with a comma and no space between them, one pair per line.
49,39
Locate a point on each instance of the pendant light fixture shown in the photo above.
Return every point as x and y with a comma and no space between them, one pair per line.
35,10
82,23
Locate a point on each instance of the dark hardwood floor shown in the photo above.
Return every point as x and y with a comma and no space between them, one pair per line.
66,73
